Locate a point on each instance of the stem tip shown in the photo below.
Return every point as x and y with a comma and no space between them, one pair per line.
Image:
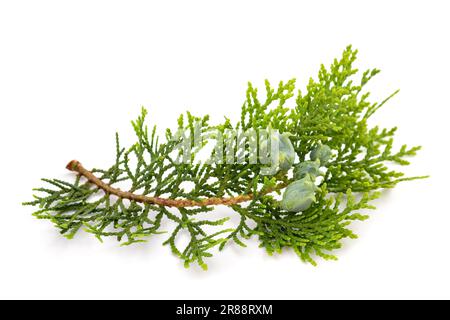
72,165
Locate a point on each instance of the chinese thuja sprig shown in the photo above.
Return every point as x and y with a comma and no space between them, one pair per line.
341,165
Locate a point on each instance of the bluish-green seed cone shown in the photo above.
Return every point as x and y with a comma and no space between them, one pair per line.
299,195
304,168
287,152
322,153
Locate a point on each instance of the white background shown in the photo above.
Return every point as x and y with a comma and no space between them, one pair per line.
74,72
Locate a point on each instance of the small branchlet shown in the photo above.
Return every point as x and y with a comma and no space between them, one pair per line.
333,112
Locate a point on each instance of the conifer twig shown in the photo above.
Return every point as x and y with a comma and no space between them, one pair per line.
323,131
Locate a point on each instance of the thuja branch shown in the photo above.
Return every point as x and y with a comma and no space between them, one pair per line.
76,166
331,166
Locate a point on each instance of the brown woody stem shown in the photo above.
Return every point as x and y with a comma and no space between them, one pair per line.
76,166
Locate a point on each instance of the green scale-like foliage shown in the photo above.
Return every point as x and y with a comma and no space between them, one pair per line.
333,111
